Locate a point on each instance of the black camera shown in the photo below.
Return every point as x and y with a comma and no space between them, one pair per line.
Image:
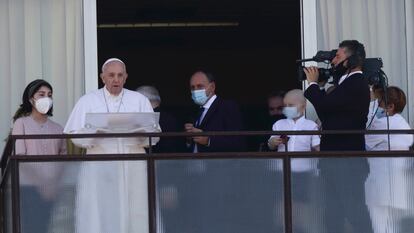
373,72
324,74
321,56
372,68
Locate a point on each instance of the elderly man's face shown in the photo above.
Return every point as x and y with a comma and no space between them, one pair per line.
199,81
114,77
275,106
340,56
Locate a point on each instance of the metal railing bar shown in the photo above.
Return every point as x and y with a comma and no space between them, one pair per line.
211,133
7,151
212,155
4,176
287,191
152,215
15,186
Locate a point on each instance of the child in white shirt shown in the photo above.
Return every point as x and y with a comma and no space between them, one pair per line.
294,110
305,182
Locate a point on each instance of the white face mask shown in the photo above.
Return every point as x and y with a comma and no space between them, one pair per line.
381,113
291,112
43,105
199,96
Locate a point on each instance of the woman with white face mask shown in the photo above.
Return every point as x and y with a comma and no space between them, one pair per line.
388,191
38,181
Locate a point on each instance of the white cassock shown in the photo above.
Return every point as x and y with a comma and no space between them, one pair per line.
387,187
111,195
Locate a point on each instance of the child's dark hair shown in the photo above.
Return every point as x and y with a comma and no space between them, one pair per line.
26,107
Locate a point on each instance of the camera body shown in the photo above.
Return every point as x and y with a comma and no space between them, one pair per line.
372,68
324,74
373,72
321,56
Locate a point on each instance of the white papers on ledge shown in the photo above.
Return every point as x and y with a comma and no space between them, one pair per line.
101,123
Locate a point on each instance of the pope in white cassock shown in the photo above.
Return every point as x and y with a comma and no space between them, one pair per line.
111,195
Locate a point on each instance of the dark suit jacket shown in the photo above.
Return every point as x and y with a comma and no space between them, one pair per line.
345,108
223,115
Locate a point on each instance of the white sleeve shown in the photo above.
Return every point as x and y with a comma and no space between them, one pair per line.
400,141
316,139
146,105
75,125
76,120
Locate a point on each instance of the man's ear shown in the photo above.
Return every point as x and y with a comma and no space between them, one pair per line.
102,77
213,87
346,62
126,76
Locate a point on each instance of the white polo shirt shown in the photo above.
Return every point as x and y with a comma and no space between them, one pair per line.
298,142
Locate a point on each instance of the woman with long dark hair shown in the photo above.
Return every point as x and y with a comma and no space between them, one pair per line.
38,181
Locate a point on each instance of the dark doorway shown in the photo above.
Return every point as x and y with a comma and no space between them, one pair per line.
252,54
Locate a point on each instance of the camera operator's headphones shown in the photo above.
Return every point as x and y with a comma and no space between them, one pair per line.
358,54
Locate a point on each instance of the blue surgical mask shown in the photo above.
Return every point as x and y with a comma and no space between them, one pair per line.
291,112
380,113
199,96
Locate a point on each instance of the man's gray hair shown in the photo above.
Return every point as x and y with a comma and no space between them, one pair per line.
150,92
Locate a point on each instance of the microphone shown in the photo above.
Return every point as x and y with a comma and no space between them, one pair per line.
320,56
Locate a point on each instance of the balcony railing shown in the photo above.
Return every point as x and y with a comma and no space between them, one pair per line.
249,188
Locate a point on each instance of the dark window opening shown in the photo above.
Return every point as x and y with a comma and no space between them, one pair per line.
250,47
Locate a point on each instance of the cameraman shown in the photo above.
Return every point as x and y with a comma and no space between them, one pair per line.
344,108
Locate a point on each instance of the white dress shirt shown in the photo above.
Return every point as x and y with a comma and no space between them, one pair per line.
376,142
345,76
298,142
206,106
199,166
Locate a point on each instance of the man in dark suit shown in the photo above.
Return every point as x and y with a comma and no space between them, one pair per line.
213,114
222,191
344,108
